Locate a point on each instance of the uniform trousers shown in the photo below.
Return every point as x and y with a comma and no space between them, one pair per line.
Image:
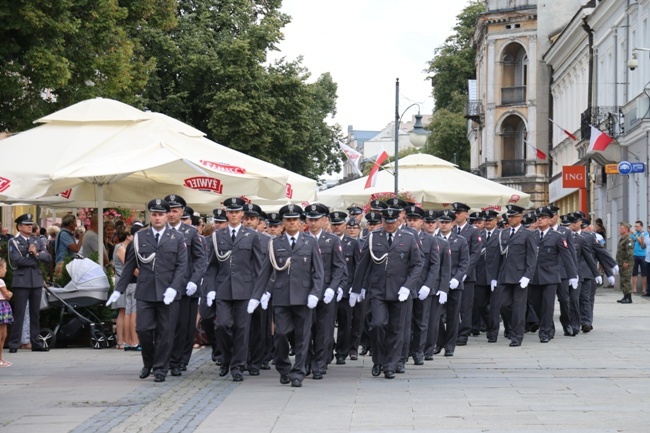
420,326
19,301
360,325
481,311
448,331
433,330
514,301
260,340
587,299
494,314
344,314
564,299
295,320
188,308
208,315
232,333
155,324
386,332
466,310
322,336
542,299
574,301
406,331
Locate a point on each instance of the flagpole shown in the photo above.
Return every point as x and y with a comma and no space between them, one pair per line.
396,136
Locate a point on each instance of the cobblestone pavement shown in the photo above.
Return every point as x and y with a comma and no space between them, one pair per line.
595,382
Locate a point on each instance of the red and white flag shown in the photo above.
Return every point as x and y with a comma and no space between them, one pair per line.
599,140
571,136
372,176
540,155
353,156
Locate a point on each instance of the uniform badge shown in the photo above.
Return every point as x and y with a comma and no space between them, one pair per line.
340,249
564,243
479,239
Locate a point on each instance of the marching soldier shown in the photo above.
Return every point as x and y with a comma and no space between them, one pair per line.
391,264
516,267
293,276
592,279
234,261
160,255
625,260
25,256
486,296
188,305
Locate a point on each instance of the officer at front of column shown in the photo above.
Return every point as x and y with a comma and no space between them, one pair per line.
160,254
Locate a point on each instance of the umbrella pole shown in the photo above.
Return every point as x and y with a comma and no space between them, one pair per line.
100,223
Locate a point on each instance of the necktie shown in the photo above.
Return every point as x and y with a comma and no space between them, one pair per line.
390,239
157,237
293,242
541,236
512,232
233,235
488,236
457,229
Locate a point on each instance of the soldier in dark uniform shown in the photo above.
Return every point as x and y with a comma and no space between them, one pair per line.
25,257
516,267
590,276
553,254
160,254
474,242
391,264
356,213
334,274
293,276
375,206
625,260
188,305
484,293
234,261
447,332
344,312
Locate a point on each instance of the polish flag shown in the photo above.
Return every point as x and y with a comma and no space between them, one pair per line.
571,136
372,176
599,140
540,155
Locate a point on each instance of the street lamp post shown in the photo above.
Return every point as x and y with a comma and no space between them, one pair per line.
417,137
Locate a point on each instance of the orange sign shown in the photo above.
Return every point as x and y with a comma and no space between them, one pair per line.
574,176
611,168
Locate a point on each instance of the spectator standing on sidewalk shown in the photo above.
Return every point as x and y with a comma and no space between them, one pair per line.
646,240
625,260
638,236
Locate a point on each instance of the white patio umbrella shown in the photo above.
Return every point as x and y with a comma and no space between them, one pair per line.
432,181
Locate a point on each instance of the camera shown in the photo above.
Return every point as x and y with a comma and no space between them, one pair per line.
633,63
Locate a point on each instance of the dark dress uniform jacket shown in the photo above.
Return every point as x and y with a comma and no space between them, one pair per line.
444,275
601,255
487,263
352,256
475,244
402,267
459,251
196,258
518,256
233,279
302,278
335,270
587,267
27,272
552,256
166,270
430,275
567,234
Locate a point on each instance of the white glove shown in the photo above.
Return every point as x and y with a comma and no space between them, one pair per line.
169,295
328,296
423,293
493,285
339,294
363,294
615,270
442,297
599,280
453,284
573,282
190,289
354,298
403,294
265,300
611,280
210,298
523,283
114,297
252,305
312,301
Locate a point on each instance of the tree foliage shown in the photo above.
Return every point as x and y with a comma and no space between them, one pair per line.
450,69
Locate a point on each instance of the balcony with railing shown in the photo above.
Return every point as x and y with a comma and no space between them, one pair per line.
513,167
513,95
474,110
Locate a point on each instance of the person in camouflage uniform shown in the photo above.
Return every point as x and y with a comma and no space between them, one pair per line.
625,260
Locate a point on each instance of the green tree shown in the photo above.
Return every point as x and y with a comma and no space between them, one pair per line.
54,54
448,138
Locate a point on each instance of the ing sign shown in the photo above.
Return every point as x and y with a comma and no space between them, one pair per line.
574,176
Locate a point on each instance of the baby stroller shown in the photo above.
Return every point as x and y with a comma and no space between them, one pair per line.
89,287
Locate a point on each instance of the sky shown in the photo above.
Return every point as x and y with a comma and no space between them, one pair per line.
365,45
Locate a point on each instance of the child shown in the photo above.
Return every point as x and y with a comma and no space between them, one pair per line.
6,315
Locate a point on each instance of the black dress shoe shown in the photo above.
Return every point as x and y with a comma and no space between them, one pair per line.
225,368
353,356
176,371
506,334
534,327
449,353
292,352
576,331
476,333
363,351
317,375
544,340
400,368
389,374
587,328
437,350
492,340
13,350
145,372
514,344
158,377
461,342
265,366
376,370
428,357
418,361
40,349
308,370
183,367
237,377
284,379
296,383
253,371
340,360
